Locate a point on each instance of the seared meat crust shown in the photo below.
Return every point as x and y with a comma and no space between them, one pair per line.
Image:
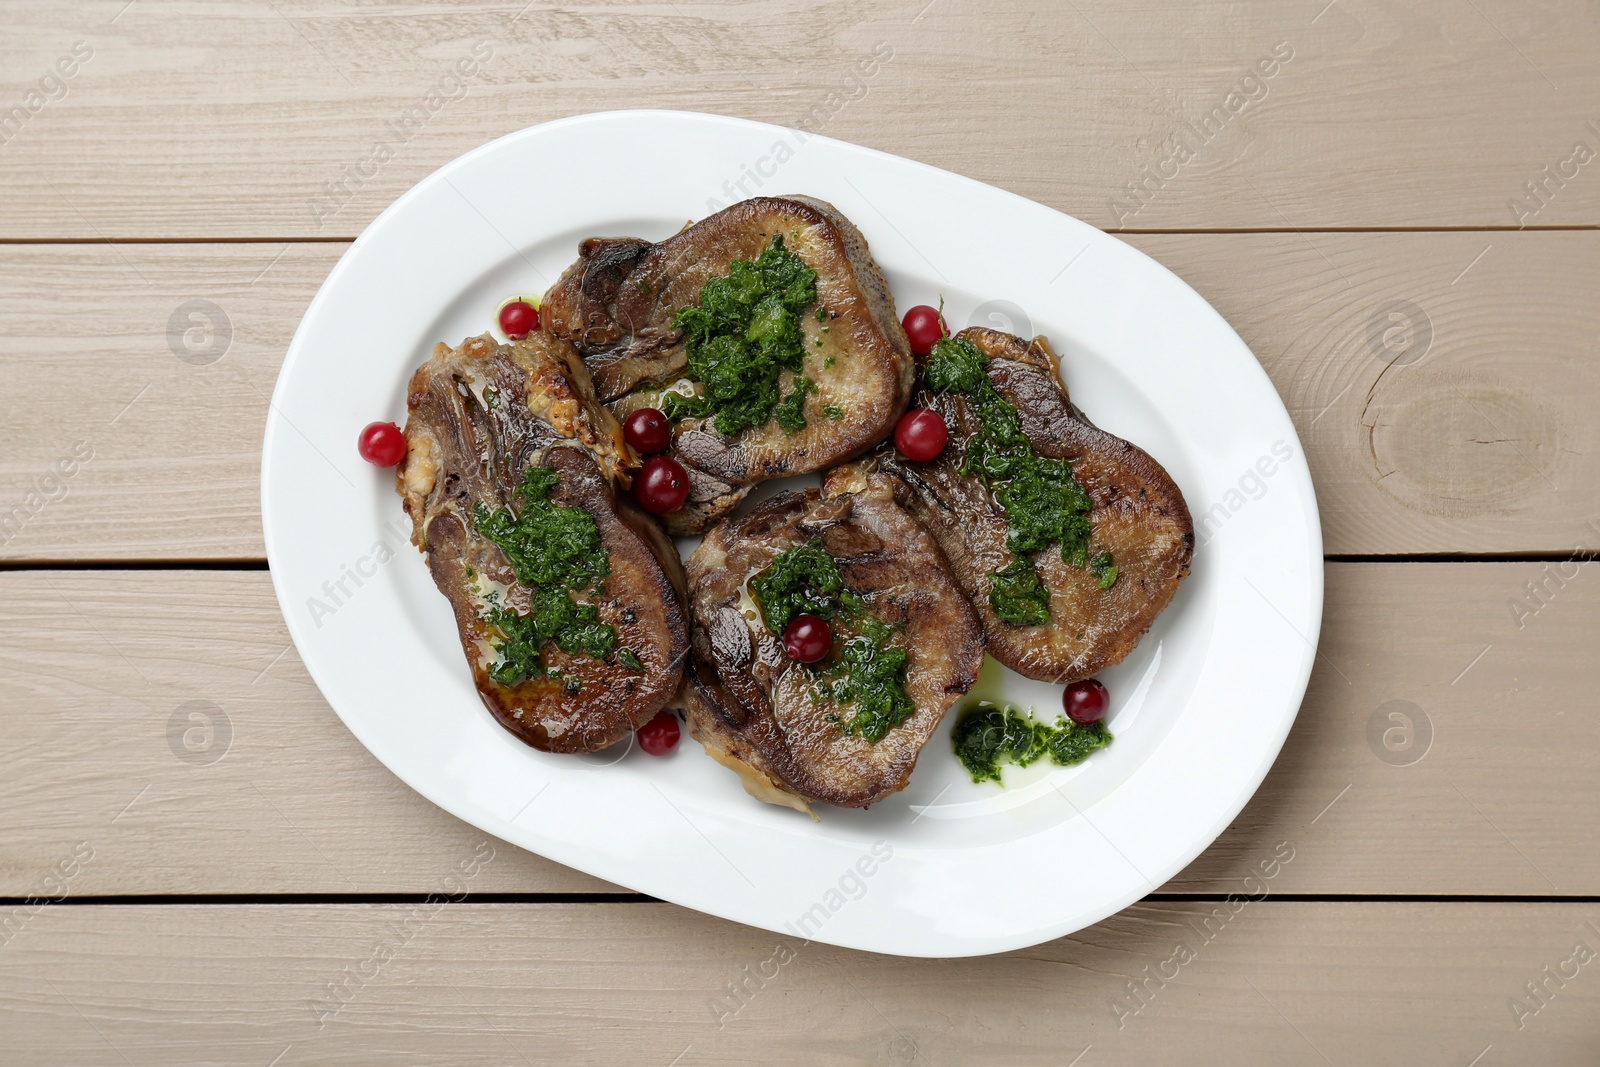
618,301
1139,515
480,416
757,711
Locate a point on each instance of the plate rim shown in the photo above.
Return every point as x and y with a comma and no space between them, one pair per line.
1297,468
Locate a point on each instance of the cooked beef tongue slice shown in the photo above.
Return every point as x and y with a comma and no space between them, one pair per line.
480,415
1138,515
618,302
773,720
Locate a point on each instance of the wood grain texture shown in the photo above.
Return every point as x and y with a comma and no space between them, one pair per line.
1494,795
175,444
1428,376
162,737
236,119
1483,443
1272,982
273,812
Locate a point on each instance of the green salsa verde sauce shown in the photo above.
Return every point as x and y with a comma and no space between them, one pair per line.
1043,503
864,670
987,736
1018,595
740,334
555,551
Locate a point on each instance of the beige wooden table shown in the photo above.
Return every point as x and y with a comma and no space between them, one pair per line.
1400,223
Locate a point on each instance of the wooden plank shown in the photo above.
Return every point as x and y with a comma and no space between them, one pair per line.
199,756
236,118
1433,753
1427,378
1483,443
1489,798
650,983
174,440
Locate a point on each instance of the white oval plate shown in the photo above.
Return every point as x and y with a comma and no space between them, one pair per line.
946,867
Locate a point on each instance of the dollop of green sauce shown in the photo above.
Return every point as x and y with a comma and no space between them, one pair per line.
1018,595
739,335
987,736
870,675
864,671
1044,504
803,580
555,551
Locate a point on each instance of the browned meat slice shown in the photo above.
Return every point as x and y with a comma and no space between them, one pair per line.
798,733
618,304
582,637
1138,516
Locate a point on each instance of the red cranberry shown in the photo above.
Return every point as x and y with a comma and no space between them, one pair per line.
518,319
1086,701
923,325
660,735
921,434
661,485
807,638
382,444
647,431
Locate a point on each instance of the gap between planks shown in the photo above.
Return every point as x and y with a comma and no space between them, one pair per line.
359,899
323,239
